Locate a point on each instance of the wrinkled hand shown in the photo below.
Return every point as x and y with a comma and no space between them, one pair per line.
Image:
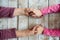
37,29
33,12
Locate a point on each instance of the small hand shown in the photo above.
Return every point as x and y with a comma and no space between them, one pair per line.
37,29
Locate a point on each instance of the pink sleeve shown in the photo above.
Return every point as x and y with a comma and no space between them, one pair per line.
51,9
52,32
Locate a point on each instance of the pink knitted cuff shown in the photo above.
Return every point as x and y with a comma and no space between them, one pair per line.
51,9
51,32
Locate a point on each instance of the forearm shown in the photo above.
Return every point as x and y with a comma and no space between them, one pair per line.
50,9
52,32
23,33
19,11
10,12
13,33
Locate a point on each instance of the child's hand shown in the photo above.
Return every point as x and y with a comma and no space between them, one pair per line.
33,12
40,29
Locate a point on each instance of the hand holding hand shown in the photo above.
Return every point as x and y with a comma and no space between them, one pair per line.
37,29
33,12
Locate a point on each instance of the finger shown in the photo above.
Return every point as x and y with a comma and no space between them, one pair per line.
35,16
35,28
31,13
36,31
38,16
40,25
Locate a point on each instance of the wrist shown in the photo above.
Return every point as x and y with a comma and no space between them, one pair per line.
30,33
19,11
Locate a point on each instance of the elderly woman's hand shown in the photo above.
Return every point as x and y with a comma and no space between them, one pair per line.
33,12
37,29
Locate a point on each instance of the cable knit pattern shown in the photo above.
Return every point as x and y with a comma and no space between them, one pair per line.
52,32
51,9
6,12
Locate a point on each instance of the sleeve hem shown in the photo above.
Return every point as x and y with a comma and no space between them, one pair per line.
11,12
8,33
